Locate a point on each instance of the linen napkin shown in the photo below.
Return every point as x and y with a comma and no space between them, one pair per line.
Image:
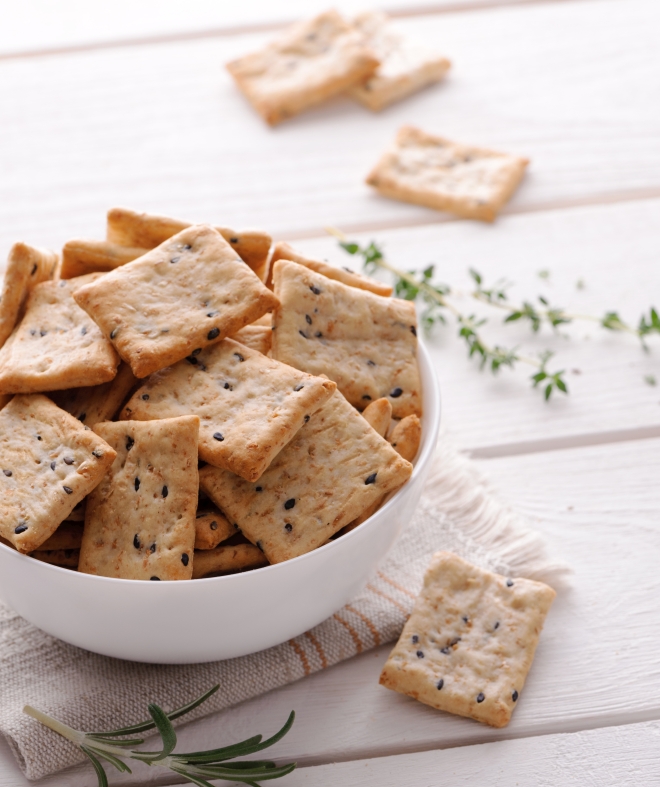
458,512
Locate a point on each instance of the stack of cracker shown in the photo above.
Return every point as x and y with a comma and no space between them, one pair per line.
184,401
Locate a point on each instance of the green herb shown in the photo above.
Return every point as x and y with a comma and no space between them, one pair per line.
197,767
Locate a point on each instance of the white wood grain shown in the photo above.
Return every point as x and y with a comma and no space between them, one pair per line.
162,128
596,664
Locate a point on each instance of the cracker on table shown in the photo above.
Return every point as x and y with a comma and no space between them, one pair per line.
99,402
331,471
187,293
148,230
282,251
26,267
406,436
56,345
249,406
365,343
378,415
65,558
406,66
312,61
140,520
67,536
471,182
211,527
227,558
81,256
256,337
48,463
470,641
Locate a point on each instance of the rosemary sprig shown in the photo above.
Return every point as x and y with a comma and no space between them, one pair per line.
197,767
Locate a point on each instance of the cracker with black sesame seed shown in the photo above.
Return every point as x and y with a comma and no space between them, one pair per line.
282,251
147,230
100,402
64,558
470,640
331,471
211,527
471,182
227,558
56,345
81,256
312,61
250,406
189,292
48,463
140,520
26,267
256,337
365,343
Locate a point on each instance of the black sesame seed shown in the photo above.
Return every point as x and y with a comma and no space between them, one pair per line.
306,418
413,330
420,654
97,454
239,356
155,579
415,639
228,387
454,641
509,583
53,465
145,397
445,651
396,393
152,548
20,528
136,541
8,473
213,525
514,696
288,527
83,330
175,259
290,503
466,619
82,417
371,479
303,334
197,351
165,491
233,240
68,490
440,684
129,443
318,335
371,363
218,436
309,319
38,437
42,332
33,333
192,360
213,333
299,387
315,290
259,489
186,247
185,559
212,314
496,626
137,483
68,460
481,696
366,396
34,269
113,333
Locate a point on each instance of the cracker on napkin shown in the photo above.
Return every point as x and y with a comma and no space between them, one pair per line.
406,66
471,182
211,527
56,345
140,520
312,61
147,230
365,343
249,406
26,267
189,292
81,256
48,463
470,641
331,471
283,251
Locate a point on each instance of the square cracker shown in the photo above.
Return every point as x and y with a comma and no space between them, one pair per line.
26,267
282,251
140,520
330,472
56,345
406,66
189,292
312,61
365,343
81,256
250,406
48,463
471,182
148,230
99,402
470,641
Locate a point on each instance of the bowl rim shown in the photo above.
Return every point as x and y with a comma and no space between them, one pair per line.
424,455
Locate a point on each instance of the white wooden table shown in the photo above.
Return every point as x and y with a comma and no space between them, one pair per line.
128,104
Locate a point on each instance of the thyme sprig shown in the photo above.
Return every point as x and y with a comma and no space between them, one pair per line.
197,767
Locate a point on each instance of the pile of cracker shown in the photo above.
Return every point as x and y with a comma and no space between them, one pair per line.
181,400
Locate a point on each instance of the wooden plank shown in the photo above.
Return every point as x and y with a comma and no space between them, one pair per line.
162,128
596,664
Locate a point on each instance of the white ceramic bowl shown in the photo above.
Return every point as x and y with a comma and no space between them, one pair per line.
219,617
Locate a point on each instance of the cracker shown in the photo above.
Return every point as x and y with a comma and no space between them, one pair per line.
378,415
229,558
312,61
100,402
250,406
26,267
65,558
81,256
67,536
211,527
471,182
140,520
470,641
365,343
147,230
189,292
48,463
256,337
331,471
406,66
282,251
406,437
56,345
